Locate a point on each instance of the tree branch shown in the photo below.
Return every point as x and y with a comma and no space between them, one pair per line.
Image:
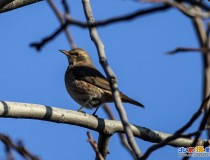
188,10
179,132
103,142
186,49
122,136
93,143
61,20
112,78
38,45
19,148
203,41
14,4
108,127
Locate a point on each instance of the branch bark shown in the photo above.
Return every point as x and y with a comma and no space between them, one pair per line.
61,20
18,147
108,127
112,79
70,21
14,4
103,142
93,143
203,41
122,136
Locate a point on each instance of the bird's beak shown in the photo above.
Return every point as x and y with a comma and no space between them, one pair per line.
64,52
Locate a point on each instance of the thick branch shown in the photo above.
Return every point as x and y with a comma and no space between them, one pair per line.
103,142
15,4
109,127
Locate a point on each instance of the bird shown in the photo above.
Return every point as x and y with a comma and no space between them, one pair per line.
87,85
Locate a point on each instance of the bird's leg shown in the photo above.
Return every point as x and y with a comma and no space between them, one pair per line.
94,113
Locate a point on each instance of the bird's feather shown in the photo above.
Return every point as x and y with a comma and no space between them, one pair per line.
91,75
94,77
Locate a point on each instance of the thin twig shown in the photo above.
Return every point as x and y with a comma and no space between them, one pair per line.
198,4
192,2
112,78
103,142
60,18
66,7
201,128
202,37
38,45
122,136
95,146
186,9
178,133
19,148
186,49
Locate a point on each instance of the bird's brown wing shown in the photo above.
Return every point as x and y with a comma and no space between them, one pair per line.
94,77
91,75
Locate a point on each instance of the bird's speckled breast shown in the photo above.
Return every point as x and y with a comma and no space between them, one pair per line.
81,91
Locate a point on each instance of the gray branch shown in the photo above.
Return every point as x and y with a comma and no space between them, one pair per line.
112,79
108,127
9,5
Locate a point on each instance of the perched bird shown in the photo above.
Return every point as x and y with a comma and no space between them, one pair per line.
85,84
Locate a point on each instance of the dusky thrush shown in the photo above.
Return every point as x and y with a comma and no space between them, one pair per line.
85,84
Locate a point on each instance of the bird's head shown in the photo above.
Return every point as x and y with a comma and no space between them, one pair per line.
78,56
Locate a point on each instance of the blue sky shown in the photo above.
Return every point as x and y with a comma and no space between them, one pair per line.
169,86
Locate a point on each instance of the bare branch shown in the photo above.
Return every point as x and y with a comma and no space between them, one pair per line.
103,142
112,78
203,38
186,49
14,4
60,18
178,133
109,127
188,10
38,45
198,4
201,128
66,7
95,147
122,136
191,2
19,148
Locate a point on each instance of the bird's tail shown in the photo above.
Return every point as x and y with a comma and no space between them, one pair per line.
127,99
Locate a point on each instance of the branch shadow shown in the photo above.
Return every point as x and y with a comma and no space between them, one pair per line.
5,108
101,124
49,113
